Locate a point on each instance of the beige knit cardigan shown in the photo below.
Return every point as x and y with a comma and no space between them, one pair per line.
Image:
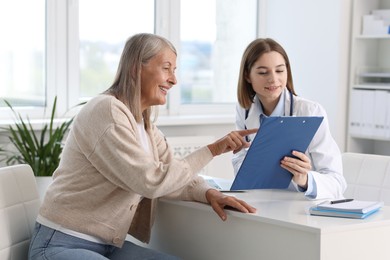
106,184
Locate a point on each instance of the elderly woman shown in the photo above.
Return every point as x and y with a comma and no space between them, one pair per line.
116,163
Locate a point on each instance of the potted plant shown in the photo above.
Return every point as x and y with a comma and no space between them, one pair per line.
42,152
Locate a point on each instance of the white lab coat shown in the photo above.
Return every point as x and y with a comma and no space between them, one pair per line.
325,156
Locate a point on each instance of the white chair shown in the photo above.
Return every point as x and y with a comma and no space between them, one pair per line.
367,176
19,205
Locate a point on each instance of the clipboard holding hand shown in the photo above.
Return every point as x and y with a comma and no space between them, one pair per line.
276,138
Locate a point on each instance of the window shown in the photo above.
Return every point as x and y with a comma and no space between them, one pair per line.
213,35
211,39
102,35
71,49
22,53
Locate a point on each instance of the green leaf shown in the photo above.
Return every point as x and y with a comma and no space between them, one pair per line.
43,153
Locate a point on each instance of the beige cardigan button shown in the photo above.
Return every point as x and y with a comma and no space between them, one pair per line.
116,240
132,206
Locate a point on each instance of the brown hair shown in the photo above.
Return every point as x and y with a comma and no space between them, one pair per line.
138,50
252,53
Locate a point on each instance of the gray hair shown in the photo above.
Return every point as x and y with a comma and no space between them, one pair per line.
138,50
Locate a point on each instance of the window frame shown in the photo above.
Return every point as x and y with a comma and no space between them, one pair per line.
62,73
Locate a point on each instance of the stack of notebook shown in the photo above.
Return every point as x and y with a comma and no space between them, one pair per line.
349,209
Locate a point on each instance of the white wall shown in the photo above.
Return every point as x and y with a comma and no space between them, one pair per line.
315,34
221,165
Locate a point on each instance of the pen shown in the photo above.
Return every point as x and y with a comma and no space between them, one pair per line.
340,201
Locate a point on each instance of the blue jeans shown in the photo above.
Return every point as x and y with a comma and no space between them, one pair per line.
47,243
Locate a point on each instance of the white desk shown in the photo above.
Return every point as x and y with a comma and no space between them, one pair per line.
281,229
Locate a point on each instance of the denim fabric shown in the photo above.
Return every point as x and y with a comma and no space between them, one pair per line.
47,243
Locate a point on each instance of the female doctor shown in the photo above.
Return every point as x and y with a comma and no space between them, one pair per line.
265,87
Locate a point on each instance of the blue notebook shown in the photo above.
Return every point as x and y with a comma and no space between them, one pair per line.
341,214
354,209
277,137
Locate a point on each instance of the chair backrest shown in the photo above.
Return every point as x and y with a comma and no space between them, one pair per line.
19,205
367,176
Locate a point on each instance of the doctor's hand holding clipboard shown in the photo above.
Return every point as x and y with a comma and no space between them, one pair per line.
298,167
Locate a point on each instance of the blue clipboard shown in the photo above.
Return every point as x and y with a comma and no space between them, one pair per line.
277,137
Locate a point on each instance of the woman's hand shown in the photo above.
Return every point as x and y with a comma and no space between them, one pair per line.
234,141
219,201
298,167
